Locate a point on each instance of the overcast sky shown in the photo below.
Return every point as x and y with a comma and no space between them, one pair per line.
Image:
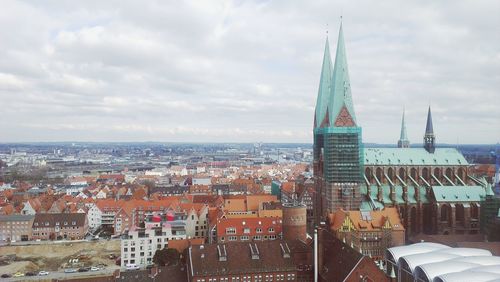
244,71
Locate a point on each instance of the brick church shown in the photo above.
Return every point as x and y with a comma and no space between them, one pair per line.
431,187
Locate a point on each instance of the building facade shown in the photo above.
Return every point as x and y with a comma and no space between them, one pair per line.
57,226
16,227
369,232
138,246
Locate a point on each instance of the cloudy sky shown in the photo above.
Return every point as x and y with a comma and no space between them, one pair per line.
244,71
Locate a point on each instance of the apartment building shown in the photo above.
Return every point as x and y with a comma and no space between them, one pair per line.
247,229
15,227
138,245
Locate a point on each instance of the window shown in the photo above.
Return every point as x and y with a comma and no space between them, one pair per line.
244,238
232,238
246,230
257,237
258,230
271,230
230,230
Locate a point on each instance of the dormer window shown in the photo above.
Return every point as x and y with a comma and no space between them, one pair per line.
65,223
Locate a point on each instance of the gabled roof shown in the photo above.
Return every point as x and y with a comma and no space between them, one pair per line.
367,220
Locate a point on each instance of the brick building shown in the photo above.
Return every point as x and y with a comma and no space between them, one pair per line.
51,226
369,232
242,262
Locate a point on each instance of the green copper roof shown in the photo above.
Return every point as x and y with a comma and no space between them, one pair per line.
341,91
413,156
325,85
403,136
458,193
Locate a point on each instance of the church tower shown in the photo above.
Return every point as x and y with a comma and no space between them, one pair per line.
429,138
403,141
338,152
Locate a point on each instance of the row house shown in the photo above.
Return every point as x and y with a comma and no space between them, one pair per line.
246,229
50,226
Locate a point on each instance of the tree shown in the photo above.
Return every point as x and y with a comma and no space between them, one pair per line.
165,257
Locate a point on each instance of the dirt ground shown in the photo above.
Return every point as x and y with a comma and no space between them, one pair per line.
52,257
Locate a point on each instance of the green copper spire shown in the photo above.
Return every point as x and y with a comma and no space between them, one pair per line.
325,85
403,137
340,95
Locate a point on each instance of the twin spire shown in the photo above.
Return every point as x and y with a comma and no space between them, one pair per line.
429,137
334,107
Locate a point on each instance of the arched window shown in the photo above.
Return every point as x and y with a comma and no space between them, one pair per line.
369,175
402,174
379,174
414,174
437,172
425,173
461,174
390,174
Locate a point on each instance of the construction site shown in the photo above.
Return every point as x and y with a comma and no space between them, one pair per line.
59,256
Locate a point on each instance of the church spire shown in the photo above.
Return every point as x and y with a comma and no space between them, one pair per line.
325,85
403,141
429,138
341,109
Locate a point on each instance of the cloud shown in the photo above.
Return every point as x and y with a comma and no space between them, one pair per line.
244,70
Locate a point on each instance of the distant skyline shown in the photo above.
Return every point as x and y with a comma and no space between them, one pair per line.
244,71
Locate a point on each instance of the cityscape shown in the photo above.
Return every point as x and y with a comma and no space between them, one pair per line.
289,171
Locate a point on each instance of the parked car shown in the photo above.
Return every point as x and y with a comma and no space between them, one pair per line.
6,275
30,273
94,268
70,270
132,266
83,269
18,274
43,273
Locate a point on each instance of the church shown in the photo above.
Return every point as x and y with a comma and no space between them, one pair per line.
430,186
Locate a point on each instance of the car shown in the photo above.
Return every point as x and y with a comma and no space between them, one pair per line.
30,274
70,270
6,275
18,274
83,269
132,266
94,268
43,273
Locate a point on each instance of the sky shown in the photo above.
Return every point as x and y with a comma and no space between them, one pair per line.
244,71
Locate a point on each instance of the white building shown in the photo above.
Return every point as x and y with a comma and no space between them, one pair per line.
140,244
94,216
